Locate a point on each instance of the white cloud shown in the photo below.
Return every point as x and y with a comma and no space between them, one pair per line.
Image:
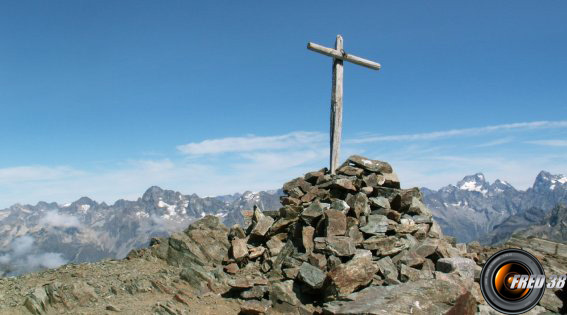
493,143
259,163
266,161
55,219
23,256
22,245
550,143
433,170
36,173
46,260
461,132
253,143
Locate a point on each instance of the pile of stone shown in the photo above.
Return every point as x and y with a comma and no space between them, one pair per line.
339,234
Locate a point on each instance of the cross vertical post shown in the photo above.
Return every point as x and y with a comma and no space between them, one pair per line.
336,106
338,55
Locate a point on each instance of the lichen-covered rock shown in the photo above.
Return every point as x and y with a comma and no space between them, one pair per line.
239,249
346,278
335,223
419,297
369,165
283,297
311,275
204,242
464,266
335,245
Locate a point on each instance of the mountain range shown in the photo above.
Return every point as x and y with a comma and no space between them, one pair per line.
474,207
47,235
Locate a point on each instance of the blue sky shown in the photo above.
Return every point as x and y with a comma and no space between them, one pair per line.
106,98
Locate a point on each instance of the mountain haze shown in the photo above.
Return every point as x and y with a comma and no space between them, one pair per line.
47,235
473,207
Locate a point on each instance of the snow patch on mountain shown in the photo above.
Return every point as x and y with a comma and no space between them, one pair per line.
142,214
171,209
556,181
473,207
472,186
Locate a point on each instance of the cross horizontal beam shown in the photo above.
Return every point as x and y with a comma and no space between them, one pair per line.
343,56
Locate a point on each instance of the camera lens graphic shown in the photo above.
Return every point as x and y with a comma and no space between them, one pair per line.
504,279
497,277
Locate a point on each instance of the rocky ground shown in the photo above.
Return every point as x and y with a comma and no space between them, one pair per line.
351,243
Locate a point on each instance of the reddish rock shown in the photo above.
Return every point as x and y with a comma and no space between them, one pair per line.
262,226
391,180
370,165
231,268
308,197
312,177
307,234
465,305
290,201
317,260
335,245
239,248
385,246
243,283
348,277
373,180
350,170
180,299
291,273
254,307
256,252
335,223
354,233
275,246
344,183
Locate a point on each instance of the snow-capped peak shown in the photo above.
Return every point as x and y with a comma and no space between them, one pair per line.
171,209
84,208
546,180
500,186
471,186
476,182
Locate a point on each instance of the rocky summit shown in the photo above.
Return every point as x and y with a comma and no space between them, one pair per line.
351,243
347,243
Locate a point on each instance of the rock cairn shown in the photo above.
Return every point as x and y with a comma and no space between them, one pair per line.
338,234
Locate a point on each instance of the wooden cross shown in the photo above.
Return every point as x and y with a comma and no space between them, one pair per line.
338,55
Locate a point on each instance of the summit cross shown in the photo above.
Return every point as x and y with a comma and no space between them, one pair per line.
338,55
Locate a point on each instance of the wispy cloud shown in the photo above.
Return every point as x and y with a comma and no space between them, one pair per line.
232,164
493,143
252,143
24,256
461,132
62,220
36,173
550,143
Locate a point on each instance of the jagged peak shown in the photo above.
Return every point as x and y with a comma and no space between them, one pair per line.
153,193
153,189
544,175
500,186
85,201
476,182
546,180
